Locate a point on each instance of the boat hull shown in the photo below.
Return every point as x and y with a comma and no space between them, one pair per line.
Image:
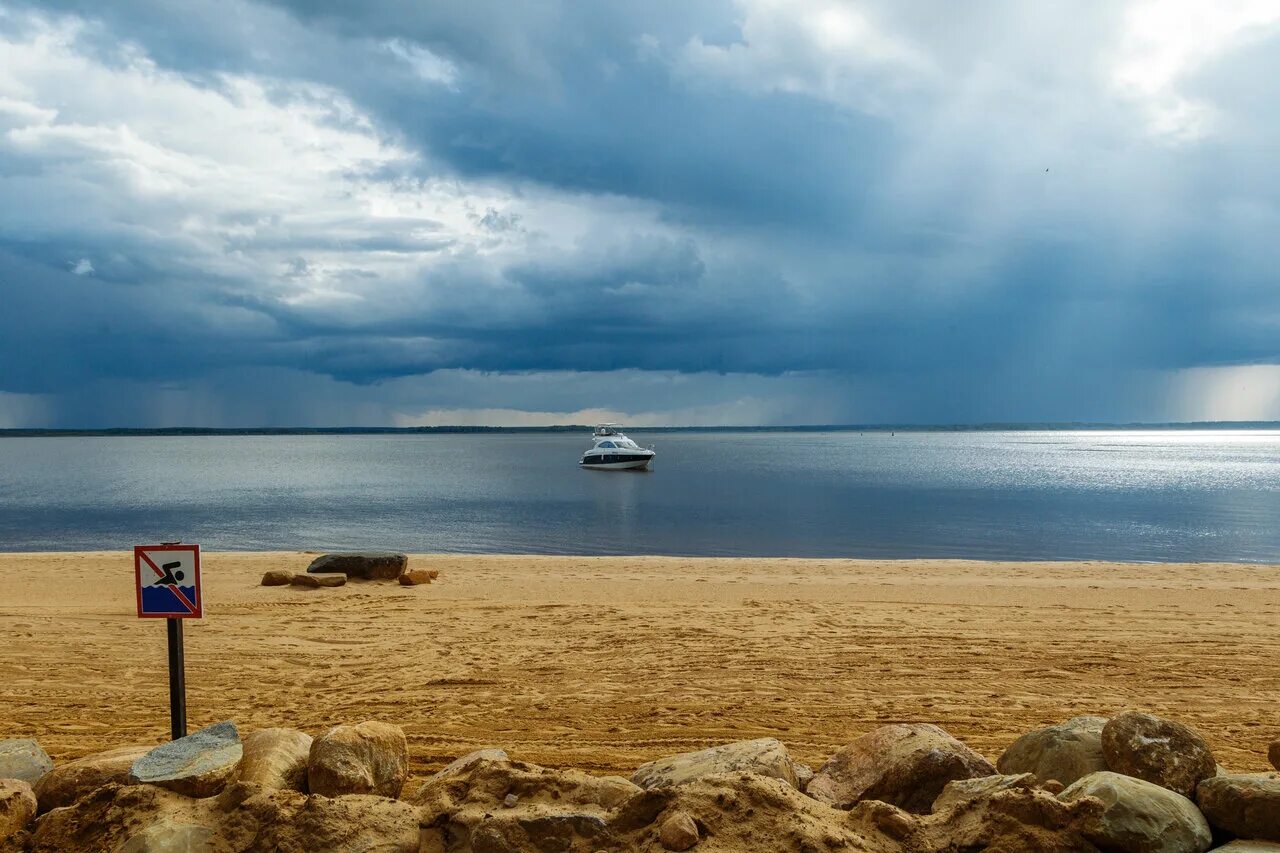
629,462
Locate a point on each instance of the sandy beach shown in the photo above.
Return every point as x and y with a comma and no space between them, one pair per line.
604,663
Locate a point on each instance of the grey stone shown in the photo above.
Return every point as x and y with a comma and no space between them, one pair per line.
1246,805
1140,816
370,565
1065,752
22,758
763,756
197,765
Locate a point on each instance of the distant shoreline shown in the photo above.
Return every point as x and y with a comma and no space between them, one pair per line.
427,430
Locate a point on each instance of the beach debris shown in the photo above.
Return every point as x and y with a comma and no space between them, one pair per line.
1065,752
1273,753
763,756
197,765
413,577
960,790
1246,805
1163,752
22,758
315,581
1140,816
369,565
275,758
277,577
678,831
367,758
17,807
68,782
906,765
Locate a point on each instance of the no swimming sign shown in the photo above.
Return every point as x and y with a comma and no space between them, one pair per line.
168,578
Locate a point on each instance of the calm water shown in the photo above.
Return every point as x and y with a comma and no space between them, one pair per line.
1054,495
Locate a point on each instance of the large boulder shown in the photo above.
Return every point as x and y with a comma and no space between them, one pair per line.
276,758
764,756
1246,805
1140,816
490,803
370,565
1162,752
17,807
906,765
22,758
197,765
66,783
1239,846
367,758
1064,752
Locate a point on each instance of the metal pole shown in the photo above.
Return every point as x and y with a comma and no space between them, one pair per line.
177,681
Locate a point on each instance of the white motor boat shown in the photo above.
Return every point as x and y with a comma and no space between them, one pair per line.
613,451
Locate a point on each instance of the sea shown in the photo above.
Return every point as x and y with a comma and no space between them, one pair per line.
1130,495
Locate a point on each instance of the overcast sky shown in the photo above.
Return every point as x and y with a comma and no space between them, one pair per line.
228,213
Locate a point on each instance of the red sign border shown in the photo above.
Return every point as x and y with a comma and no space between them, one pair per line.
138,551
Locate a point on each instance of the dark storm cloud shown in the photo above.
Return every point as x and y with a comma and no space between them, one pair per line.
372,192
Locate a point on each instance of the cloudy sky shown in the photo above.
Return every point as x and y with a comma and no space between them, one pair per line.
226,213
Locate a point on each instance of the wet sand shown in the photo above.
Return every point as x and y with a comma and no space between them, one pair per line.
604,663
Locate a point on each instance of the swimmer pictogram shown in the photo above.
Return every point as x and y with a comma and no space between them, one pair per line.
168,578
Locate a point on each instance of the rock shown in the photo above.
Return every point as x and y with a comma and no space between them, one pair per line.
23,759
369,565
368,758
678,831
1249,847
17,807
413,577
980,787
66,783
314,581
165,836
1246,805
764,757
1140,816
253,818
276,577
904,765
1159,751
275,758
1273,754
503,805
197,765
998,820
1064,752
1053,786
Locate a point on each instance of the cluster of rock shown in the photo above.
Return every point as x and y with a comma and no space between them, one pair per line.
335,569
1133,784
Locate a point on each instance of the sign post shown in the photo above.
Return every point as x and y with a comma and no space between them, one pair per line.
168,584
